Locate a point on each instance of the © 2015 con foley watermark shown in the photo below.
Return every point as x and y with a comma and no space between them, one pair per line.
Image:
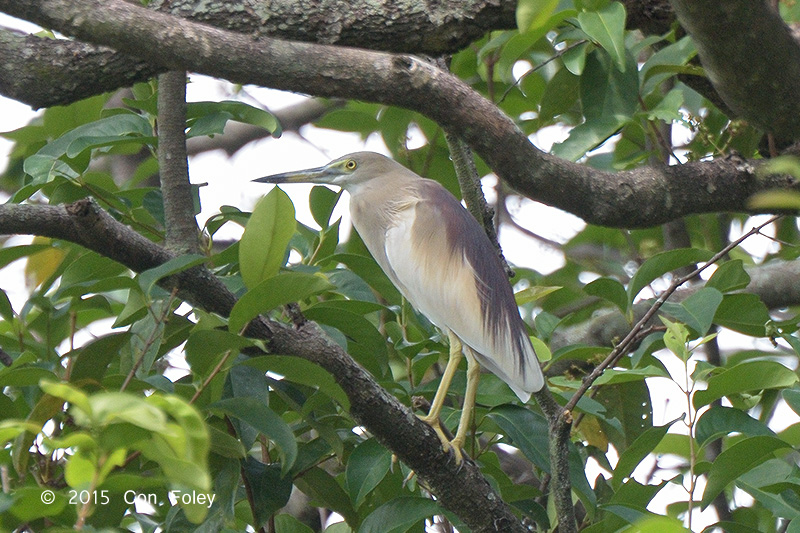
103,497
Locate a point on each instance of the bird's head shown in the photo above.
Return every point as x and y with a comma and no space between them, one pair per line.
348,170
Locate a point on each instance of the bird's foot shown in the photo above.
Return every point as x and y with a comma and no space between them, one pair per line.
448,443
455,447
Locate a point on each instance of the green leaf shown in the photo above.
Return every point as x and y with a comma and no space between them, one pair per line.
263,419
149,278
368,465
609,289
664,262
744,313
588,136
792,399
607,28
323,488
206,347
6,310
659,524
273,292
399,515
229,109
736,460
364,342
91,361
541,349
560,95
630,374
720,421
68,393
322,201
532,294
367,269
630,458
729,276
609,97
783,164
627,404
24,376
668,109
270,489
286,523
675,339
301,371
191,443
532,14
29,503
752,376
697,311
12,253
262,249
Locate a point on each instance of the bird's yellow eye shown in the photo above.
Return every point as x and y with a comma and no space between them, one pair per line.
350,165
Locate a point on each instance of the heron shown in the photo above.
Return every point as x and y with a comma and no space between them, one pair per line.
443,263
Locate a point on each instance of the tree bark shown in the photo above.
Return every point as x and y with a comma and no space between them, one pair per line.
751,57
637,198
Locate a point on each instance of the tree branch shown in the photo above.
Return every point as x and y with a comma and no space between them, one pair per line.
179,210
751,57
461,488
429,28
637,198
46,72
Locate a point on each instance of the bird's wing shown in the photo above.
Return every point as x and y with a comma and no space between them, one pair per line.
443,263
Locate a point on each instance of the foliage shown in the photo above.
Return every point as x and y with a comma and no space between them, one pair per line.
103,425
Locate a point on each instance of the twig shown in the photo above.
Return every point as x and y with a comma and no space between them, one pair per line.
470,184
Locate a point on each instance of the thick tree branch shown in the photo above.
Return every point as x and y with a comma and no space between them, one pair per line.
46,72
751,57
637,198
460,488
430,28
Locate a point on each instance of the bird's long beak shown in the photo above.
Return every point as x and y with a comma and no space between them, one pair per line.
312,175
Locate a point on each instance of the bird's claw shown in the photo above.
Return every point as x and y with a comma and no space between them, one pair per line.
448,447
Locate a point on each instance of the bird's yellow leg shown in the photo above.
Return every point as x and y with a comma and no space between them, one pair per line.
432,418
473,376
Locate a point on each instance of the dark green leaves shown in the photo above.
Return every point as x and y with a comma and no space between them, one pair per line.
368,465
259,416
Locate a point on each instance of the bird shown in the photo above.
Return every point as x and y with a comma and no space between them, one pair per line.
443,263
